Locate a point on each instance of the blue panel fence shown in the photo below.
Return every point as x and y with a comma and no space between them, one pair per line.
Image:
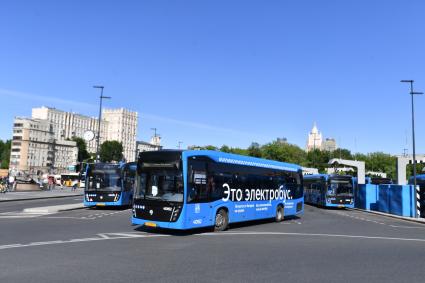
392,199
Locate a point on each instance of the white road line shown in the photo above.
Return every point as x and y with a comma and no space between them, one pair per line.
377,222
312,235
138,235
99,237
407,227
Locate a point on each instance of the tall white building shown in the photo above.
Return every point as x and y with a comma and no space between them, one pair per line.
117,124
35,148
122,127
67,125
315,139
329,144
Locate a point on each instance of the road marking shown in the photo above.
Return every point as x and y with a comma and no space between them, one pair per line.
98,237
21,214
353,216
312,234
139,235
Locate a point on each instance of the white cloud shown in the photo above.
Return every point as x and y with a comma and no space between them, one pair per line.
195,125
47,99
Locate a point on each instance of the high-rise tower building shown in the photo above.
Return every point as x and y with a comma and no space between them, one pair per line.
315,139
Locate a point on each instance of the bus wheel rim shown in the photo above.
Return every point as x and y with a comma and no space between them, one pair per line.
219,220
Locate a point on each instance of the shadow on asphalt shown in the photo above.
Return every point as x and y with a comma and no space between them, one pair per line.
325,207
108,208
232,227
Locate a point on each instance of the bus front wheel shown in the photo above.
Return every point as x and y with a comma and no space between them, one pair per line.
279,214
221,220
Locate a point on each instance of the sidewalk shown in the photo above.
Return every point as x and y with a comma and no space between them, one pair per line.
55,193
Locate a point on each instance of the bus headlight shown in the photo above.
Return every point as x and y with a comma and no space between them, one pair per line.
176,213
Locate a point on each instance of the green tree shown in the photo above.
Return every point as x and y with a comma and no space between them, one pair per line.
5,148
111,151
225,148
284,152
254,150
381,162
341,153
318,159
206,147
83,154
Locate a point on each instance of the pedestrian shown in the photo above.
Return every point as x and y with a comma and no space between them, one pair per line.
12,183
51,182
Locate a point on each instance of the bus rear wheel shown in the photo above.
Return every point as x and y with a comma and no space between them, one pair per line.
221,220
279,214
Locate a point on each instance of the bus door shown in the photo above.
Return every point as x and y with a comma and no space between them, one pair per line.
198,208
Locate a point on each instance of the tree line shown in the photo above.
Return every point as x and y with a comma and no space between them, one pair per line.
5,148
291,153
109,151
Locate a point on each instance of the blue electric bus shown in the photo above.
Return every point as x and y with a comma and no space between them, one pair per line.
109,184
329,190
201,188
378,181
374,181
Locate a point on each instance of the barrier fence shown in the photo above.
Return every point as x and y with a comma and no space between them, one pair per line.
393,199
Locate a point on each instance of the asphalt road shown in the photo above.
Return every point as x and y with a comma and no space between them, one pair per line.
94,245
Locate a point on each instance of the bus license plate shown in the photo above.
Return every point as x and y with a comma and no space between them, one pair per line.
150,224
100,204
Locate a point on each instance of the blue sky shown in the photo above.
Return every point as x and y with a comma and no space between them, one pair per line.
222,72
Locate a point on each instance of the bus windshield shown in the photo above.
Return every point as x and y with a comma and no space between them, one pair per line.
104,180
165,185
340,187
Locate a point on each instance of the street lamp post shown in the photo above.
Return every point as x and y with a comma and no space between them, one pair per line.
100,119
412,93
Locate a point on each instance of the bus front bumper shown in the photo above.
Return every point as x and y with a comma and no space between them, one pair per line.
156,224
102,204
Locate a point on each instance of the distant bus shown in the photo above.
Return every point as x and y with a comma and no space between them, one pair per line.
109,184
329,190
200,188
70,179
378,181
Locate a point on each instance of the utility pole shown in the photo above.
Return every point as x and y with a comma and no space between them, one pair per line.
412,93
154,129
100,119
180,144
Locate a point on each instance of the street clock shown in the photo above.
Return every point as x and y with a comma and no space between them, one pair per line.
88,136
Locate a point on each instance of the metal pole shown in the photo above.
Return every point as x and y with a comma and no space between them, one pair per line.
413,134
418,200
99,122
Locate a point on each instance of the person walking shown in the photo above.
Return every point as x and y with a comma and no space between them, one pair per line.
51,182
12,183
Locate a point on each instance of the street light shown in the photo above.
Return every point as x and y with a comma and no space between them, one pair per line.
412,93
100,118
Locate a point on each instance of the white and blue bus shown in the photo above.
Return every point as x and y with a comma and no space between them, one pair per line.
329,190
109,184
192,189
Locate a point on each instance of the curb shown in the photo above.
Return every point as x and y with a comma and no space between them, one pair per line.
38,198
390,215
